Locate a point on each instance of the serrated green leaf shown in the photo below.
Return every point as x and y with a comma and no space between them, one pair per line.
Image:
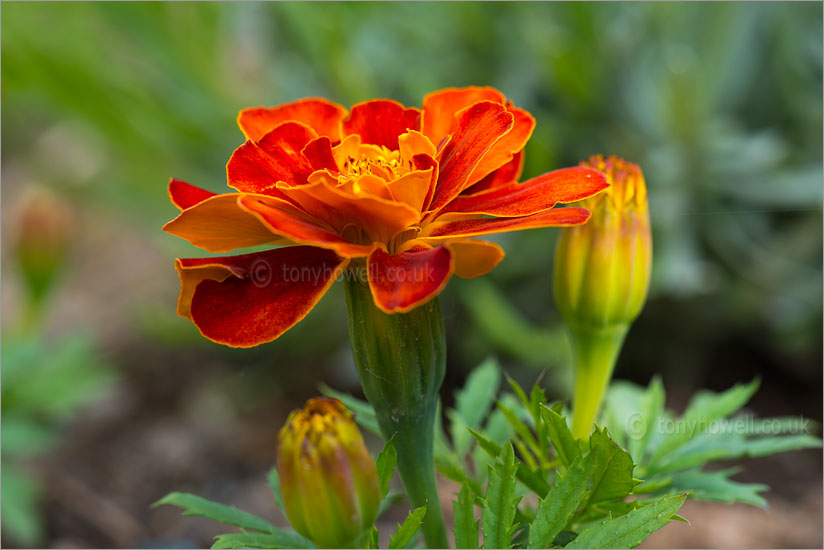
630,530
194,505
537,397
473,403
652,485
611,468
522,430
717,487
363,411
374,539
273,478
500,503
385,465
564,538
408,529
530,479
465,525
281,539
491,448
704,409
561,437
559,506
519,392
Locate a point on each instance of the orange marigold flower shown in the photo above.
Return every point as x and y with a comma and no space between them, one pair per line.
400,189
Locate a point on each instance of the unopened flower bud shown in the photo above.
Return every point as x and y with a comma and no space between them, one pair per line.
42,235
328,480
602,268
602,273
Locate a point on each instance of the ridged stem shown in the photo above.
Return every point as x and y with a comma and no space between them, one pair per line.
401,361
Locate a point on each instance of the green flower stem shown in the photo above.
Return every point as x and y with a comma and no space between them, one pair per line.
401,361
595,354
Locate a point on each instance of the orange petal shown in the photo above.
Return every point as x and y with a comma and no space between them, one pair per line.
508,173
319,154
347,149
369,184
557,217
413,187
322,116
423,161
507,147
532,196
439,108
218,224
415,143
477,128
184,195
243,301
298,229
474,258
381,219
402,282
381,121
257,167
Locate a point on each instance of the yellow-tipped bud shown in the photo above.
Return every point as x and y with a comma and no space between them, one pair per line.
602,273
602,268
328,480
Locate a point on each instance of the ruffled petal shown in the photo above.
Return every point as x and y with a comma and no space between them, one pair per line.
299,229
323,116
532,196
477,128
381,121
257,166
185,195
439,108
243,301
505,148
402,282
415,143
508,173
319,154
218,224
380,218
474,258
413,188
557,217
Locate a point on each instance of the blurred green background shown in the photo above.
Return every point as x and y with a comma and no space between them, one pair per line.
720,103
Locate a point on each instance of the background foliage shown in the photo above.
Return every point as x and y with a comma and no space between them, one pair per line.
719,103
